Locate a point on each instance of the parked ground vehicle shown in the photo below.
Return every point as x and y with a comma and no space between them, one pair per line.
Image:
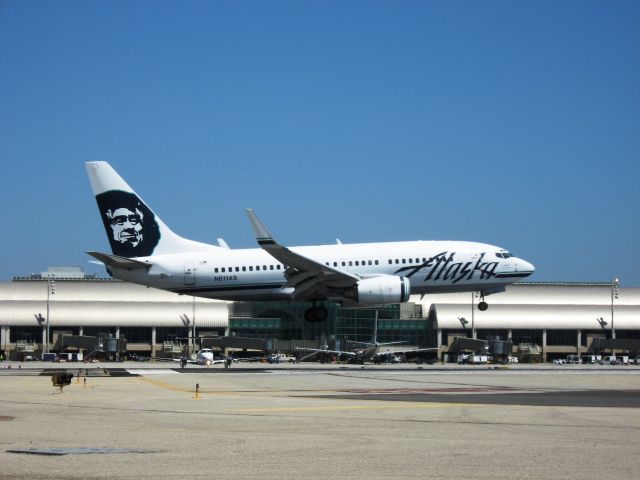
473,359
591,358
615,360
281,358
478,359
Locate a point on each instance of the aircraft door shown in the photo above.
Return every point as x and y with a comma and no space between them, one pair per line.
189,273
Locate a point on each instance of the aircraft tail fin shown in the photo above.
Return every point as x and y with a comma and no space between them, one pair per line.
132,227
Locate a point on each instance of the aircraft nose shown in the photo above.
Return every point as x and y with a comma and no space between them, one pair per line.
525,267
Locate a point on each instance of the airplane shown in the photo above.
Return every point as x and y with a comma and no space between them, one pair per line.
205,357
147,252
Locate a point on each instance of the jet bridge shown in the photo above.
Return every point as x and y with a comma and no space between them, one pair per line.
601,345
93,346
464,344
529,353
240,343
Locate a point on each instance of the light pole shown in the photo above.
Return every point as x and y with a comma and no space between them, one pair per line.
186,322
615,285
193,325
473,319
51,290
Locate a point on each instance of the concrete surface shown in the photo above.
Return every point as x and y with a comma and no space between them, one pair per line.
322,422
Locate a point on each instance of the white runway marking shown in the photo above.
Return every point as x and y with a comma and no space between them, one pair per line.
151,371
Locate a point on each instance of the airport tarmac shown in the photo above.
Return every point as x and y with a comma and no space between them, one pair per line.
320,421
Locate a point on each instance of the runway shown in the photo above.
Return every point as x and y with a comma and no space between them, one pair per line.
455,394
321,422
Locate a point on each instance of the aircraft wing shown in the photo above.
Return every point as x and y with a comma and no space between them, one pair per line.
404,352
316,351
309,278
324,350
369,344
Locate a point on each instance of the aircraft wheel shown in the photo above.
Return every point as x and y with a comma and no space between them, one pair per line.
315,314
308,315
321,313
482,306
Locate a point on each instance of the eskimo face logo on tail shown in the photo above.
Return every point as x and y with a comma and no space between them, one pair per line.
131,227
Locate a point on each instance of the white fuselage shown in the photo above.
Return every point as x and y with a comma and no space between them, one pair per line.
205,357
254,275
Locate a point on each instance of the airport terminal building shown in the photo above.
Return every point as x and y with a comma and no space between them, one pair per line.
41,312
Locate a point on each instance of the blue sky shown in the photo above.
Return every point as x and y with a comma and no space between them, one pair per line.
507,122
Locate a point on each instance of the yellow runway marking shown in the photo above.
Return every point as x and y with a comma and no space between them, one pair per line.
166,386
378,405
230,393
175,388
226,393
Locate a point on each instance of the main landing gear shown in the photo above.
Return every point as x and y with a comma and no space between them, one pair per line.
317,313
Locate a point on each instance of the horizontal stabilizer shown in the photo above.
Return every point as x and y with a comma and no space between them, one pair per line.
119,262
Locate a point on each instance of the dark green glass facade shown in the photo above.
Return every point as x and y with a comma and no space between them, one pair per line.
285,321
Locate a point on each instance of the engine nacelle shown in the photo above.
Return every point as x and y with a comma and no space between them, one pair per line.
380,290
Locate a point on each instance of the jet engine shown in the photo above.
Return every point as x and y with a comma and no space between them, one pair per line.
382,289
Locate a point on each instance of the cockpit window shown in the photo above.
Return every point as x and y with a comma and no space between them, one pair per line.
504,255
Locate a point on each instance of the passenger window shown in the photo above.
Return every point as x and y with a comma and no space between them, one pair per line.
335,264
222,269
369,262
251,268
344,264
390,262
277,267
244,269
377,262
270,267
357,263
397,261
404,261
350,263
237,269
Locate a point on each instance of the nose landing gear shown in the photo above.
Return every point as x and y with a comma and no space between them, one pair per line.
482,306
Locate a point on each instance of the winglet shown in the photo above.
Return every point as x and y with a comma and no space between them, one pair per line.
262,234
